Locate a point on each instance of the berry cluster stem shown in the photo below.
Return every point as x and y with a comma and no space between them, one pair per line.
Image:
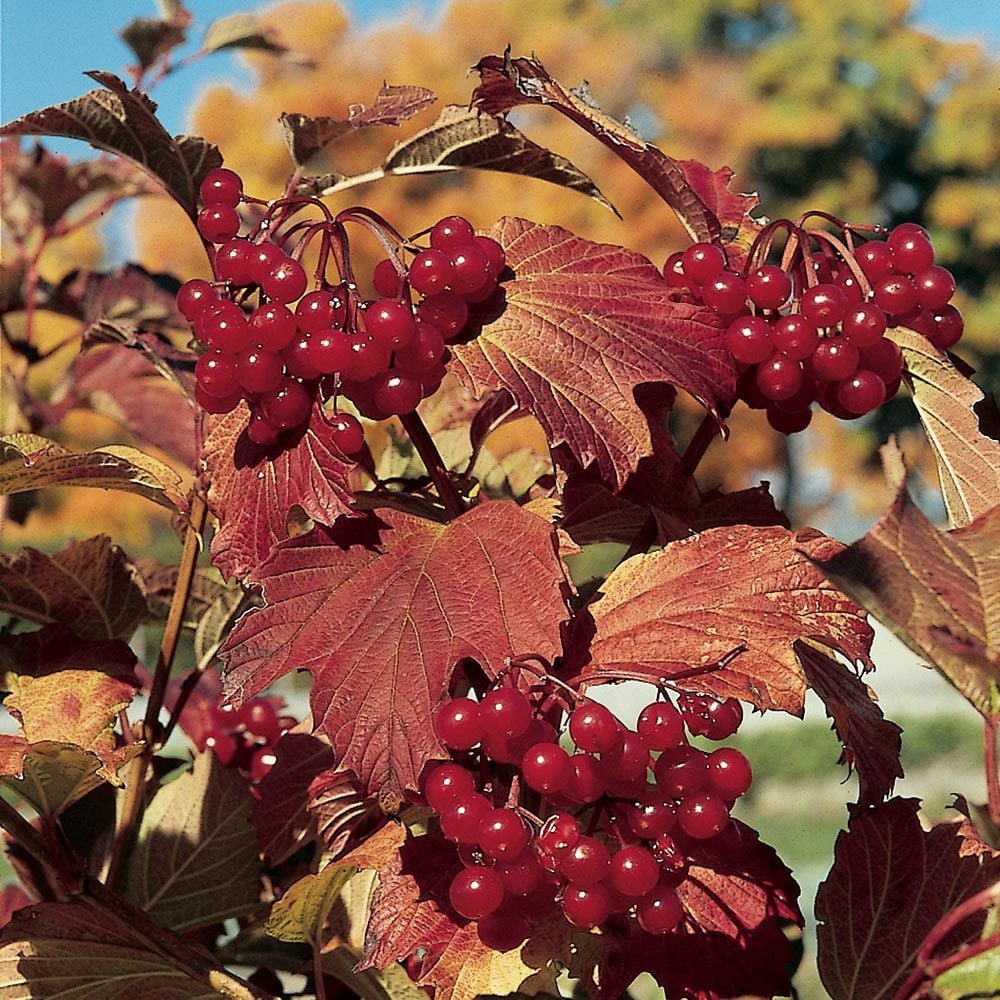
417,432
135,783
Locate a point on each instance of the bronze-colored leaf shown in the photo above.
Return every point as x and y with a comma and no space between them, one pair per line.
968,461
151,37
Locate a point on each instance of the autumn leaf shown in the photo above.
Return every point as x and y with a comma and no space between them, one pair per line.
124,121
65,693
380,618
241,31
699,196
412,916
30,462
939,592
252,489
736,895
195,860
466,138
12,898
890,883
968,461
871,743
737,596
306,136
151,37
300,915
280,813
338,809
584,325
108,953
92,587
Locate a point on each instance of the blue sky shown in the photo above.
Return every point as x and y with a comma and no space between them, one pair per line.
45,45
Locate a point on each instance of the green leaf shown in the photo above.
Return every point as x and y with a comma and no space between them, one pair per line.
196,858
300,916
974,979
123,121
31,462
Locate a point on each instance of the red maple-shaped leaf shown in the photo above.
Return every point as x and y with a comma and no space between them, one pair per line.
890,883
736,897
737,596
584,325
871,742
699,196
413,917
252,489
380,620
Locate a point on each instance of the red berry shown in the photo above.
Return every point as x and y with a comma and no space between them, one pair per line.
628,759
224,326
748,339
702,815
390,322
634,871
779,377
446,310
221,186
368,357
450,232
947,327
329,350
672,860
586,862
218,223
469,269
726,293
285,282
824,304
659,911
263,260
320,310
789,421
459,723
661,726
875,260
502,834
259,370
520,874
462,817
232,261
222,745
558,835
386,279
502,931
895,294
586,905
864,324
863,392
347,433
423,352
846,281
709,716
586,782
288,405
673,270
593,728
396,394
795,336
495,255
261,431
297,358
769,287
216,404
430,272
935,287
681,772
476,892
836,358
261,718
216,374
546,767
884,358
654,814
272,326
194,296
703,261
506,712
912,250
729,773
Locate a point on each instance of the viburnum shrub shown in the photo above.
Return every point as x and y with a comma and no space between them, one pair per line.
459,811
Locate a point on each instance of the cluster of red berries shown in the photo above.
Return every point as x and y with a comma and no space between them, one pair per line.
815,332
277,344
245,737
647,793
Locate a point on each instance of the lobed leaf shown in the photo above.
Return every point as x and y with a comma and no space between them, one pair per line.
124,121
699,197
968,460
252,489
195,861
585,324
106,954
30,462
939,592
92,587
380,613
728,605
871,743
305,136
890,883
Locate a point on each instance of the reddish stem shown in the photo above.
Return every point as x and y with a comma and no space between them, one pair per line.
420,437
698,445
